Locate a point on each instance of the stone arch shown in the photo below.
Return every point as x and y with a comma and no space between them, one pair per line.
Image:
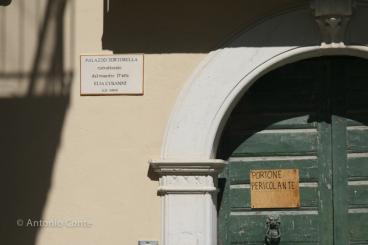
213,90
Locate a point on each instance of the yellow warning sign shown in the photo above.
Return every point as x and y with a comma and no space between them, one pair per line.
274,188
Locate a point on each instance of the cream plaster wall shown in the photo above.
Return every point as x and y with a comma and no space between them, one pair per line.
101,169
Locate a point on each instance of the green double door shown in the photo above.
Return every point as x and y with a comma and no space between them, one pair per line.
311,115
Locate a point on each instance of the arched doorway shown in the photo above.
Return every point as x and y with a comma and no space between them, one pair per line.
188,166
311,115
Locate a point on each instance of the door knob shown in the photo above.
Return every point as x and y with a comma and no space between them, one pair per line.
273,235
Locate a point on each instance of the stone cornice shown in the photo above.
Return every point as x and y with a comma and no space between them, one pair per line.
188,167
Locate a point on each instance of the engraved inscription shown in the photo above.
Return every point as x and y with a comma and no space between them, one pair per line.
111,74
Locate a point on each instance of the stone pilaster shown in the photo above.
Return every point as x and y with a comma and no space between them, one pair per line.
189,193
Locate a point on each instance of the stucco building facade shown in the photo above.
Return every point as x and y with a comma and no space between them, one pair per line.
126,168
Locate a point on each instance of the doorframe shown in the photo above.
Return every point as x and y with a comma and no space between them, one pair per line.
188,167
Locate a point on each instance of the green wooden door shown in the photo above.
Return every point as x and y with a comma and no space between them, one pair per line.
310,115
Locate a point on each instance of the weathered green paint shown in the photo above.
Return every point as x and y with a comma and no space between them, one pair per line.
304,228
311,115
277,142
357,166
337,85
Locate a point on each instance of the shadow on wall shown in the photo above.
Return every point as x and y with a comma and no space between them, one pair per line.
176,26
30,131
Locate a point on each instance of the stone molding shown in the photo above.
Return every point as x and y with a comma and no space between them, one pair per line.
187,176
204,104
189,193
210,166
332,17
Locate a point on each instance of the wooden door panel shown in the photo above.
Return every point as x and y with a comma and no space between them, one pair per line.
357,166
302,226
357,138
357,226
269,120
277,127
277,142
313,116
351,197
358,193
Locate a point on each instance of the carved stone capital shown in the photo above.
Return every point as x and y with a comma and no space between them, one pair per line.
187,176
332,17
186,184
332,29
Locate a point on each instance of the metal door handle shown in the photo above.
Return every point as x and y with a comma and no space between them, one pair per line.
273,234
